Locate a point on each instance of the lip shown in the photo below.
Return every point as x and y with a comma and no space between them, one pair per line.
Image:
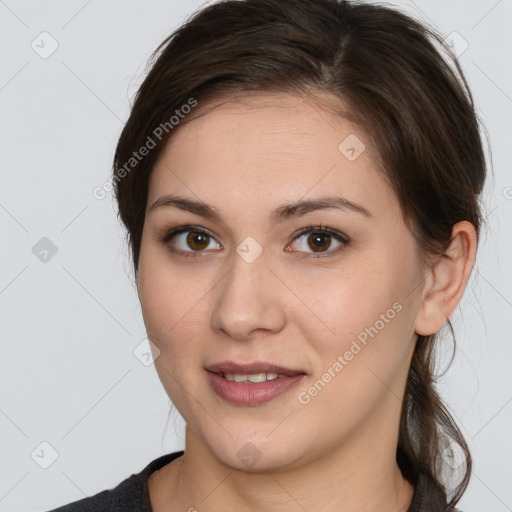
252,394
256,367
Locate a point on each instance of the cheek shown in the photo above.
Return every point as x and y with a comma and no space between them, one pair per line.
368,323
171,303
348,302
167,297
175,306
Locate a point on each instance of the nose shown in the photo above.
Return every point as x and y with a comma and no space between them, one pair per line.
250,298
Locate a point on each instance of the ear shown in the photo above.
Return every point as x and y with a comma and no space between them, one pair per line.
446,280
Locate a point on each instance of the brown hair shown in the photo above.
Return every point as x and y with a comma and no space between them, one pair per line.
390,72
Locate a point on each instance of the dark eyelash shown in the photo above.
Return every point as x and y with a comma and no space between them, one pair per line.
182,229
317,228
176,231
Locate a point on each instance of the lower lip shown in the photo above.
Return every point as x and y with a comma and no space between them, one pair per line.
252,394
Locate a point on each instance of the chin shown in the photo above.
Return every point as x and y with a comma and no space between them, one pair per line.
256,454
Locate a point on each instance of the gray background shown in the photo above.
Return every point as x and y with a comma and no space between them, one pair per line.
69,325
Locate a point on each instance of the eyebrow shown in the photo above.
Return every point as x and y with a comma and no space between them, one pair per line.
280,214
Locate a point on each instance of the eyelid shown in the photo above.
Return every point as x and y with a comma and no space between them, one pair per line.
169,233
316,228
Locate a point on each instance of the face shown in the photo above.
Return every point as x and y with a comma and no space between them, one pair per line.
264,283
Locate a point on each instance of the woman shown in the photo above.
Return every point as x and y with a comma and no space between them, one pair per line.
299,180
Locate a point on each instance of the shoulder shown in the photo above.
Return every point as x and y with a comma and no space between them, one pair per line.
129,495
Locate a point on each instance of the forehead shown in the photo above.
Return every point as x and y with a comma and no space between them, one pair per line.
268,147
276,123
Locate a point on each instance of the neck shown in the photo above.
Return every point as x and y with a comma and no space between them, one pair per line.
346,479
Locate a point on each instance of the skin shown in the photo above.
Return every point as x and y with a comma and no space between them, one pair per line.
288,306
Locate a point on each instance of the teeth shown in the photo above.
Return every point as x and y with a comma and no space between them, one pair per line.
253,377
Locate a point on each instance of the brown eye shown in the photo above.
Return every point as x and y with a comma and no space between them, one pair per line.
316,240
319,240
188,240
197,240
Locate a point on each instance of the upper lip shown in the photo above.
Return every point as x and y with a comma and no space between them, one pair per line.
248,368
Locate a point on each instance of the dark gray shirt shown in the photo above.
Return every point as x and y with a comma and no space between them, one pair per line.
132,494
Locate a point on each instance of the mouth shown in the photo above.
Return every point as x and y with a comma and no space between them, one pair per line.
253,378
252,384
252,372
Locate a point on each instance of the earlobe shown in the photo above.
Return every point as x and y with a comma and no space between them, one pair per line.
447,279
